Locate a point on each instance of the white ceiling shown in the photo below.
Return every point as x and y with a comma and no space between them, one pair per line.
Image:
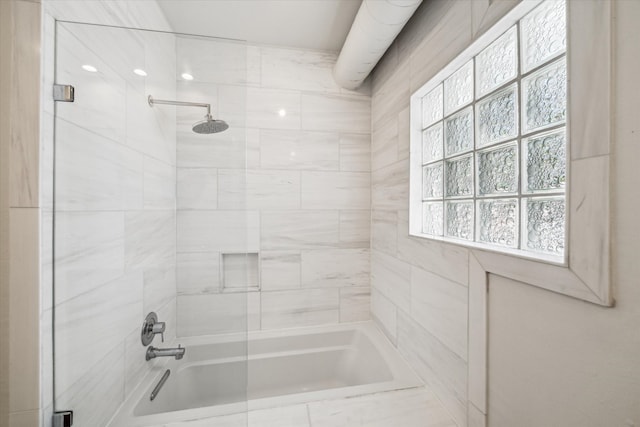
307,24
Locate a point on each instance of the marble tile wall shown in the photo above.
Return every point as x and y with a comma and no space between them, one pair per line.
115,212
419,294
291,185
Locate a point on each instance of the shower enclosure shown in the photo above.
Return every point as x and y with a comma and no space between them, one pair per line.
137,226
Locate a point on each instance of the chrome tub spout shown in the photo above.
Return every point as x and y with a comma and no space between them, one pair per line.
153,352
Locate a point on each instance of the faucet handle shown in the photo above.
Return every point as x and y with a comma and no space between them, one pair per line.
158,328
150,328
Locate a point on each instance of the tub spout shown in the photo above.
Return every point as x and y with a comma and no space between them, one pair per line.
153,352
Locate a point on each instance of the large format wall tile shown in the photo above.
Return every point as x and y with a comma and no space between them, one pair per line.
335,190
288,149
384,231
218,313
161,83
390,188
87,181
440,306
221,231
385,313
89,251
232,105
384,145
280,269
355,152
355,228
298,69
446,260
355,304
442,369
264,107
440,38
335,268
220,150
198,273
336,113
390,98
96,396
287,309
404,123
92,324
197,188
258,189
150,130
96,42
149,239
159,286
287,230
159,184
392,278
101,101
224,62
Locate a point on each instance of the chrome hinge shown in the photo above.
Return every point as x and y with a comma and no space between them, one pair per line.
63,93
62,419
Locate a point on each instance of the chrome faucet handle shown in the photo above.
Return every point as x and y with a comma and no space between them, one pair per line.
158,328
150,328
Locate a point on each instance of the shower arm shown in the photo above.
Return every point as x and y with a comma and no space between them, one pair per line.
153,101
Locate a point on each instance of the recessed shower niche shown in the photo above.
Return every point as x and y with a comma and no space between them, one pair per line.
240,272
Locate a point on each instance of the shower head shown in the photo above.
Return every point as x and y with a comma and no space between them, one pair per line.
210,125
206,126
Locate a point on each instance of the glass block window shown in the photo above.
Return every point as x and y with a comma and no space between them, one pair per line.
494,141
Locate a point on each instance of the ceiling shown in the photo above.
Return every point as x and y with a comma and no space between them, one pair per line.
307,24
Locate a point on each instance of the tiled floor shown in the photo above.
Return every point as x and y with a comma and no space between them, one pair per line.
416,407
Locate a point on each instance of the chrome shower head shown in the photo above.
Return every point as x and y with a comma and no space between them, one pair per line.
206,126
210,125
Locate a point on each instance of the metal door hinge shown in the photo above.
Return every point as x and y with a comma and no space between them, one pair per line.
64,93
62,419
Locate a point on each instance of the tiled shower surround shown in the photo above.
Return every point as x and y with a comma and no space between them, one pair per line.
162,205
419,292
298,193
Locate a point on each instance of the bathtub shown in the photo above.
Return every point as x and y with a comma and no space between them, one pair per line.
222,375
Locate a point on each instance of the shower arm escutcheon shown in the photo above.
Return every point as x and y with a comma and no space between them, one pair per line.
153,101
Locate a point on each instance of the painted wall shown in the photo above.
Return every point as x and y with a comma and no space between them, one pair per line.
115,203
294,188
553,360
558,361
19,213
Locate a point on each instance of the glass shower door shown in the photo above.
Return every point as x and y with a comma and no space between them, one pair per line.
136,213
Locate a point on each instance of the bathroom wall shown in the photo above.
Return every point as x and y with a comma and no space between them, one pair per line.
418,287
553,360
115,202
19,213
558,361
290,181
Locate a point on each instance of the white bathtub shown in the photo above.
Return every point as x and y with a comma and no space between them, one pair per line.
216,377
